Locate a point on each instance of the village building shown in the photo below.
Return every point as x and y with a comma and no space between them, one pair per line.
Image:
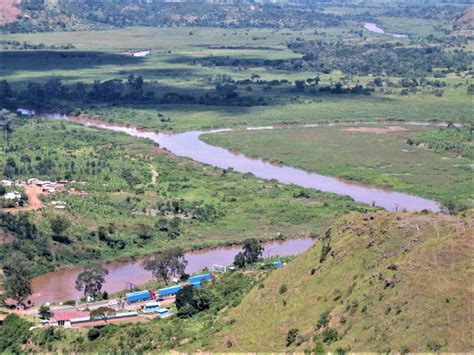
15,195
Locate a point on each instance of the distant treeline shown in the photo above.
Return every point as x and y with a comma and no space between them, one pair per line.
10,44
117,91
374,58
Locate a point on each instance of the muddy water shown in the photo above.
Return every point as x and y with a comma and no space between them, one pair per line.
189,145
374,28
58,286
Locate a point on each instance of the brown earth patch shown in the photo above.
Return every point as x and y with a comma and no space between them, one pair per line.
8,11
376,130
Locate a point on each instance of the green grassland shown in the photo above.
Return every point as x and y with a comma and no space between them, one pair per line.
373,291
115,172
171,65
384,160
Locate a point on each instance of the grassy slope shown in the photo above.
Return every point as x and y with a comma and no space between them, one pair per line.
377,159
430,306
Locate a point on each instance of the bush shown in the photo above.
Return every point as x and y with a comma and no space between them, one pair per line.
291,337
13,333
283,289
323,320
93,334
187,311
329,335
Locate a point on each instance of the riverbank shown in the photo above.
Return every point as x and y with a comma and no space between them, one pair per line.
370,154
58,286
189,145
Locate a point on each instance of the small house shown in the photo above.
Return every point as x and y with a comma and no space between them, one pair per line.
151,307
15,195
163,313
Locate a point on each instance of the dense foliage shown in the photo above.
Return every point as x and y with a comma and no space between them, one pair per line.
451,139
14,332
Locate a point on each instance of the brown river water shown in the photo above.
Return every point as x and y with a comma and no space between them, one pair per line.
59,286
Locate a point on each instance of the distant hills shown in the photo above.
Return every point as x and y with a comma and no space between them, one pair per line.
58,15
382,282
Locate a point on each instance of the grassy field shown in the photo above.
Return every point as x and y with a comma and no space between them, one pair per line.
171,65
377,159
134,209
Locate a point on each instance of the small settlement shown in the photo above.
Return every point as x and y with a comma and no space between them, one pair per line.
146,302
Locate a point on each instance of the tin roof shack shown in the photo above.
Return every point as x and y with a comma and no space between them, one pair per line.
163,313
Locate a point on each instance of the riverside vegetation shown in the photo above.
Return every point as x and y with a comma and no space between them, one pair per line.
368,282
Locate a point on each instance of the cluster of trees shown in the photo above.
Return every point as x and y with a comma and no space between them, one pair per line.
198,211
376,58
132,91
457,140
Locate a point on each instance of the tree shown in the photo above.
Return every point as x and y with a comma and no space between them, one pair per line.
191,300
166,264
44,312
239,260
91,279
17,271
102,313
251,253
59,224
7,119
253,250
291,336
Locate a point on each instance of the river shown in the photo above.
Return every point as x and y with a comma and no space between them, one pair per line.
372,27
189,145
58,286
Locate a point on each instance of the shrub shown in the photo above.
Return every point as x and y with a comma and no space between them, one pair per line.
93,334
283,289
329,335
323,320
291,337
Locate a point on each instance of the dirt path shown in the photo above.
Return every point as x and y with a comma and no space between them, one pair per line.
154,174
34,203
376,130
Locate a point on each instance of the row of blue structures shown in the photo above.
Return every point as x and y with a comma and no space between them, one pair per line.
167,292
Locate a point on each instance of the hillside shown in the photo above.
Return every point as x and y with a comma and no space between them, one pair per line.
9,11
390,282
466,19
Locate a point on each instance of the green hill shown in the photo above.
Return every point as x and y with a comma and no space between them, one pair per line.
379,282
